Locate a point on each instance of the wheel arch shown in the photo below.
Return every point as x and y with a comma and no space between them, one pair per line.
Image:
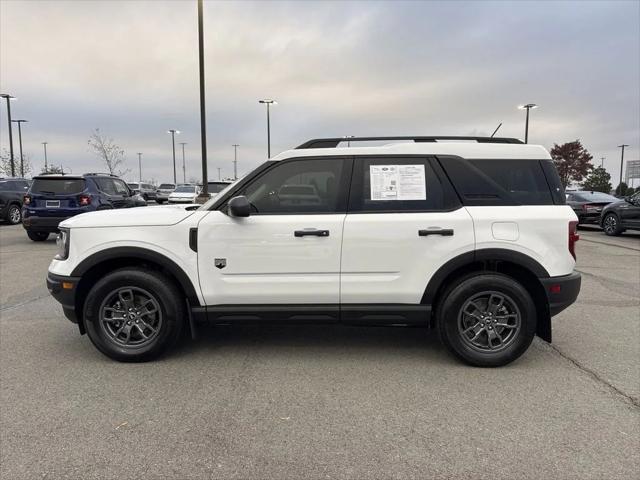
101,263
517,265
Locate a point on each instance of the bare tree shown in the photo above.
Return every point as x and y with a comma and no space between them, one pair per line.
106,150
5,163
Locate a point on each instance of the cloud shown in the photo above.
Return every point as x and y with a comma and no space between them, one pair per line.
336,68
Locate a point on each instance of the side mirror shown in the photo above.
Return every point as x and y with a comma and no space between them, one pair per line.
239,206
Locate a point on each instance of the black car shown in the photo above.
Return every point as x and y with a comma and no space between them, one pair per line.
54,198
622,215
12,192
588,205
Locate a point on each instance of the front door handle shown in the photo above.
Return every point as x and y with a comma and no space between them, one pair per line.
446,232
311,232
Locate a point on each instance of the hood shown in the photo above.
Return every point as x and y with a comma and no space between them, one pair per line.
131,217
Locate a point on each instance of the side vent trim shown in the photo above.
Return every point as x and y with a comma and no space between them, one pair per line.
193,239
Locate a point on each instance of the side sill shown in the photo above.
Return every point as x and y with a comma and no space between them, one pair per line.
347,314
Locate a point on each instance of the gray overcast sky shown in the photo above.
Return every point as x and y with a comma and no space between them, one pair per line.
335,68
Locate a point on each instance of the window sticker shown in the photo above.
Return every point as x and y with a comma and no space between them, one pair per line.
397,182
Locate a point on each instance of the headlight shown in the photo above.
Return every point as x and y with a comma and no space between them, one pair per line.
63,244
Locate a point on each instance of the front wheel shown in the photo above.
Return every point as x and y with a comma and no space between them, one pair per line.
611,225
487,320
134,314
37,236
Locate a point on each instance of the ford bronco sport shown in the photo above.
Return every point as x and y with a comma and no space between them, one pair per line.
468,235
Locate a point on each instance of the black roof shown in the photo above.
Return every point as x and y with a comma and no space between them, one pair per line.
334,142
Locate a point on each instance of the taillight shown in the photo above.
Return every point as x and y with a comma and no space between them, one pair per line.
26,200
573,238
84,200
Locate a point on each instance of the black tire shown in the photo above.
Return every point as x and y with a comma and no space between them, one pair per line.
160,202
37,236
146,197
517,308
110,296
611,225
14,214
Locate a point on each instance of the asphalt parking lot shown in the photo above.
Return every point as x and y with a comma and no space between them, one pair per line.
322,402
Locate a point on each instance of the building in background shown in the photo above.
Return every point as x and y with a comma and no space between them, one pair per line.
632,173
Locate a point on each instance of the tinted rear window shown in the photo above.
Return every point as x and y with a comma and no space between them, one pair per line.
499,182
594,197
58,186
216,187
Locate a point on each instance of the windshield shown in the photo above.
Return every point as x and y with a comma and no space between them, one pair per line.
167,186
133,185
185,189
595,197
64,186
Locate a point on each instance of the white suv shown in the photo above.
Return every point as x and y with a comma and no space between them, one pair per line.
469,235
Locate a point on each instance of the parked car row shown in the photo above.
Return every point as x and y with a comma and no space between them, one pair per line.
614,215
54,198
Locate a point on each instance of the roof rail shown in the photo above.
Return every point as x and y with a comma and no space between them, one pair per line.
334,142
100,173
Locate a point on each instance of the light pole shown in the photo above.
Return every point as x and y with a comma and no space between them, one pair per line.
602,159
46,169
204,194
268,102
184,174
173,133
621,162
527,107
235,161
140,168
20,122
219,176
8,98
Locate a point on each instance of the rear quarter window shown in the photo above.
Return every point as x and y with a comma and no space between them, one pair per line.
501,182
58,186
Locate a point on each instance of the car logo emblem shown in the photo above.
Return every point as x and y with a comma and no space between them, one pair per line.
220,262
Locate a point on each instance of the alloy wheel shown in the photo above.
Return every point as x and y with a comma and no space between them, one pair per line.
14,215
130,317
489,321
610,224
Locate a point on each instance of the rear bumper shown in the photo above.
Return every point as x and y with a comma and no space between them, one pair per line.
42,224
561,291
63,289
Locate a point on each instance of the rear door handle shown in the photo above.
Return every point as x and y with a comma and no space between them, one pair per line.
446,232
311,232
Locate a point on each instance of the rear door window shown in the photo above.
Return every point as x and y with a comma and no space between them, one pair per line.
398,184
58,186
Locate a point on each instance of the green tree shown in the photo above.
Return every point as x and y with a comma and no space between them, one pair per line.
622,189
572,160
598,180
630,191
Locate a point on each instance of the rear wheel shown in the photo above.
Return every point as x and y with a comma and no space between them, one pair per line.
37,236
14,216
487,320
160,201
134,315
611,225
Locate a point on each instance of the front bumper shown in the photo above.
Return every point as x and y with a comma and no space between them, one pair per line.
63,289
42,224
561,291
